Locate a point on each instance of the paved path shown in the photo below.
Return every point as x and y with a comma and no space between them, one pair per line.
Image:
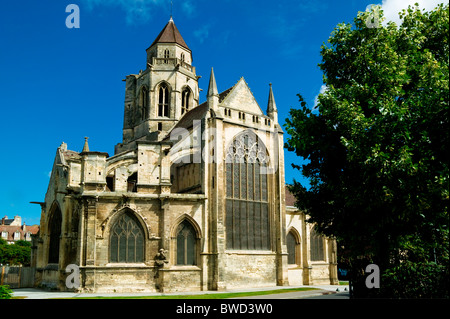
32,293
322,292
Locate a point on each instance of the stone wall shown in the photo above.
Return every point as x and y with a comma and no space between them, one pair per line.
250,270
50,277
183,278
320,274
295,276
118,279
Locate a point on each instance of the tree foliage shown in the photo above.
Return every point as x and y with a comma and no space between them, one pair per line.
377,142
18,253
5,292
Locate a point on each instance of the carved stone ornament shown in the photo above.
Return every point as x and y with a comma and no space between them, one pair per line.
161,258
165,189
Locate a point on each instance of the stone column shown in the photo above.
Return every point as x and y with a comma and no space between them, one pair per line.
90,224
278,193
306,257
165,166
164,242
332,248
217,208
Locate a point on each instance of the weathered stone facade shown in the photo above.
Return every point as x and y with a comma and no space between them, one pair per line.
193,198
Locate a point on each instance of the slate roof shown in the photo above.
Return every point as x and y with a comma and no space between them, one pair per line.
290,198
224,94
187,121
197,113
71,155
6,221
170,34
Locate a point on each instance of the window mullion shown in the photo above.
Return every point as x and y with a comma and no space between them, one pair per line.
185,249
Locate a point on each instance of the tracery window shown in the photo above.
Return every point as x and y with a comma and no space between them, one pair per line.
247,209
126,240
163,102
186,244
316,246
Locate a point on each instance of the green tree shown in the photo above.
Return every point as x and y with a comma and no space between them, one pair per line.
3,251
18,253
376,147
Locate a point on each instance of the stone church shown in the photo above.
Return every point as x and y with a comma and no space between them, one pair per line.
194,197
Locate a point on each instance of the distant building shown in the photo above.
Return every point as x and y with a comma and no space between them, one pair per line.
12,230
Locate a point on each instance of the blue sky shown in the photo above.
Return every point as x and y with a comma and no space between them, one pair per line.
60,85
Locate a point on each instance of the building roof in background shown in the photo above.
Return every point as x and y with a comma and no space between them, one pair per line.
290,198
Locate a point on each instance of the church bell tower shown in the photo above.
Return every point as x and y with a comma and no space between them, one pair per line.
157,98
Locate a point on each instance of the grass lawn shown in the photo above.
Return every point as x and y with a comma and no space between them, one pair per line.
223,295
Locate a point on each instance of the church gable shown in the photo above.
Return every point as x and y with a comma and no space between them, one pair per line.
59,176
241,98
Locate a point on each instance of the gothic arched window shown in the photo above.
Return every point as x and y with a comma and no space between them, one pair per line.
186,244
247,207
166,56
185,100
126,240
316,246
144,103
293,248
55,235
163,101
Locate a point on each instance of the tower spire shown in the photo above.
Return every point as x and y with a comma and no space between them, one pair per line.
212,88
213,94
170,34
86,145
272,106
